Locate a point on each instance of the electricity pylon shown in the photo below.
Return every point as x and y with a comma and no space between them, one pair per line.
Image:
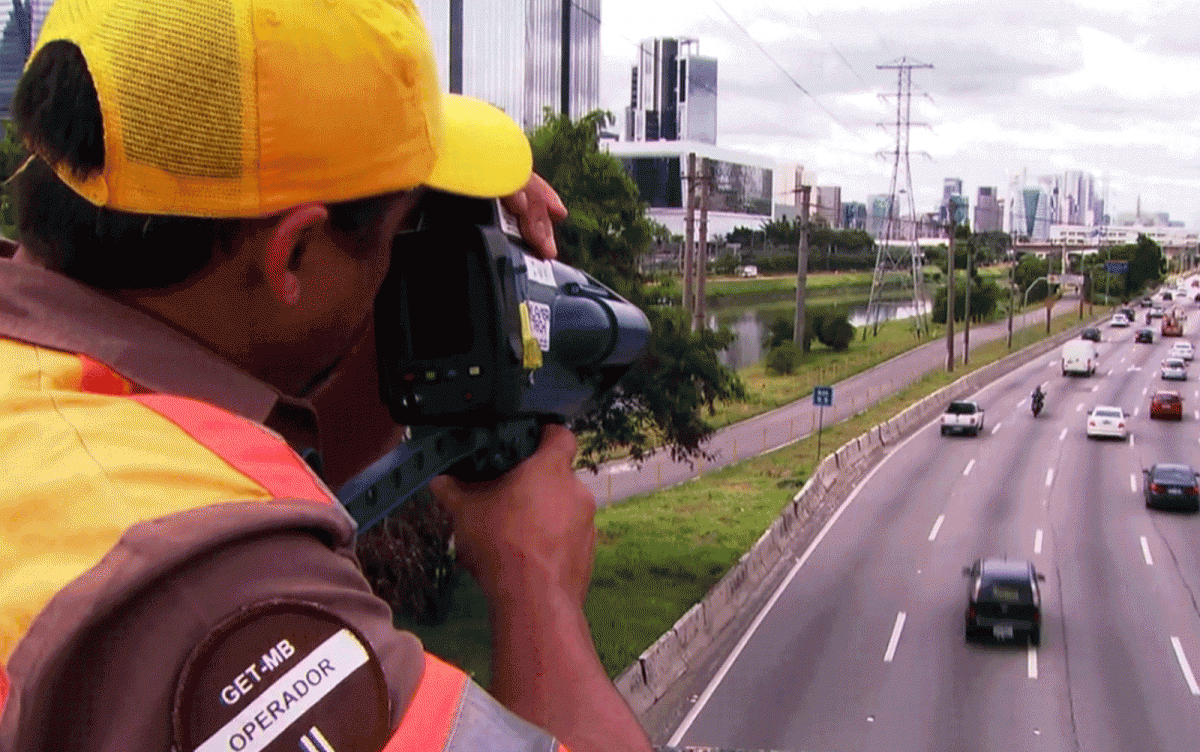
905,260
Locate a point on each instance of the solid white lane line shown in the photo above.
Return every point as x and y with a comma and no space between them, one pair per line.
967,469
895,640
997,427
1146,552
1037,542
1062,435
1032,662
1185,666
936,527
1133,482
1049,476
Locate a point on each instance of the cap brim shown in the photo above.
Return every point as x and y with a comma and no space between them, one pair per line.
484,152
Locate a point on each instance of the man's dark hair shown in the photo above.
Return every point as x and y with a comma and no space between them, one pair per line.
57,113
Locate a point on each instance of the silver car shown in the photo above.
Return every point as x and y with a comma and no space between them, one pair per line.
1174,369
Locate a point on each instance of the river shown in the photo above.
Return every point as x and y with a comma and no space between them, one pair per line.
749,325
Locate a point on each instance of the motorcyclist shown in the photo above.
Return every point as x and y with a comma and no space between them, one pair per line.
1038,399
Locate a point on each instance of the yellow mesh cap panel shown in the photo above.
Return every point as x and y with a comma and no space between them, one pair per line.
178,83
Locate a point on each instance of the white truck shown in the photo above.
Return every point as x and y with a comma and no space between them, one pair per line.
1080,356
963,417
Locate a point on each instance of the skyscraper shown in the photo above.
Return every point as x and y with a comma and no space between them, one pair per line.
524,57
37,15
673,93
988,212
14,51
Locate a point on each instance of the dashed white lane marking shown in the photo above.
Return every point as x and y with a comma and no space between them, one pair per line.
1096,388
890,653
997,428
967,469
1049,476
1032,662
1079,407
1146,552
936,527
1133,482
1062,435
1037,542
1185,666
1136,410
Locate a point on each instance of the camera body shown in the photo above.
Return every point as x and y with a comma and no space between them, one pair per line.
479,343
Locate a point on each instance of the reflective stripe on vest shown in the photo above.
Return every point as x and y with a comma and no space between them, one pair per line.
448,713
231,459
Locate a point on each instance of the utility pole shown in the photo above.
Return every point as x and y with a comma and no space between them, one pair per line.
950,300
1012,268
802,267
967,307
689,241
702,247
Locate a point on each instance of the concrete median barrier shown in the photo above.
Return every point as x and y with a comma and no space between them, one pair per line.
663,663
631,683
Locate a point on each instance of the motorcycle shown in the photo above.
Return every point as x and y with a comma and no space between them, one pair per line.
1037,403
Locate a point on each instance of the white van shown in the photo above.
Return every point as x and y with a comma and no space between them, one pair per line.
1080,356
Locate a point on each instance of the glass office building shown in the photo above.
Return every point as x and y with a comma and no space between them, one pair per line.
524,57
673,93
14,51
742,183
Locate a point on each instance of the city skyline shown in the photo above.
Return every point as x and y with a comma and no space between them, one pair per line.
1090,86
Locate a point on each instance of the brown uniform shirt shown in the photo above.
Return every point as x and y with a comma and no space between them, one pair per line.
99,668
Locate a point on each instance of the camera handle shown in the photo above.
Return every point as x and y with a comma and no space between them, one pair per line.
470,454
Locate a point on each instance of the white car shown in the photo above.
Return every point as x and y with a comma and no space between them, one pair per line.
1107,420
1183,350
1174,368
1119,319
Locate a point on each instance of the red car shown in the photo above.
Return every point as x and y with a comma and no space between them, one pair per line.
1166,405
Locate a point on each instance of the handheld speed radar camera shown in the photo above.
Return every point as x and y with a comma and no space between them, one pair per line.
479,344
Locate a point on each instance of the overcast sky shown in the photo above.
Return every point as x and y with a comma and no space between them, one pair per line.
1111,87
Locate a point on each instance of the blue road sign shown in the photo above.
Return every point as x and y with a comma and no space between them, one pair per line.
823,396
1116,267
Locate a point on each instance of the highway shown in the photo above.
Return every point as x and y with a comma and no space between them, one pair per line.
861,648
622,479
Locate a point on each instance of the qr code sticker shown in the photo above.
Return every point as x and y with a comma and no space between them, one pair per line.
539,322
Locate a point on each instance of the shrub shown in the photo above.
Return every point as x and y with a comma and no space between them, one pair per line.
783,359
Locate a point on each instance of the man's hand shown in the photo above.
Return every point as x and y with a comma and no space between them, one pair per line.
537,208
534,522
529,538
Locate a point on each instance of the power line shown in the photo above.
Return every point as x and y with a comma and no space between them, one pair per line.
795,83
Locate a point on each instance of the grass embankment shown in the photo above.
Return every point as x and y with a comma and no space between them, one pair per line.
658,554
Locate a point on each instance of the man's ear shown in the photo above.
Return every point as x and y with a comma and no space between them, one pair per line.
285,245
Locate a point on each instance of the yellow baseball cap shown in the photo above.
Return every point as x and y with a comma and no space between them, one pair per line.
243,108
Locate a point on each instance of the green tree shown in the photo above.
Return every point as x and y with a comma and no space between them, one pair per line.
12,156
1029,268
663,398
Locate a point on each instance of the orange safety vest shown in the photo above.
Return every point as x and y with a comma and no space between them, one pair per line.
245,461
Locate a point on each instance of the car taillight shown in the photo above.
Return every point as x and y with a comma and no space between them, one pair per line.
1192,491
1156,488
971,612
1121,425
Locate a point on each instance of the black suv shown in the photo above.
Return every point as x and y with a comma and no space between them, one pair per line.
1091,333
1003,600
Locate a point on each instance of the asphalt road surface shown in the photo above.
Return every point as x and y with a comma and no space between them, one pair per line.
622,479
861,647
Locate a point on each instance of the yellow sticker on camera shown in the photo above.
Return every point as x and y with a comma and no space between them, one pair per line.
529,341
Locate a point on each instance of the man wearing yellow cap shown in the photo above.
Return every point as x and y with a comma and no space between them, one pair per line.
206,218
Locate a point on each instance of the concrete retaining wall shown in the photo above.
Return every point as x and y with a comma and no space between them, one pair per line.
644,681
